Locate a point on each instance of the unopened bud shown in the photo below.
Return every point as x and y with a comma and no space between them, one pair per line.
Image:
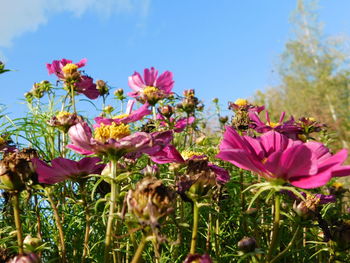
247,244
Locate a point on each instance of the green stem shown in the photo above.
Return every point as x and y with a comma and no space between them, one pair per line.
73,98
281,254
16,211
195,227
87,226
139,250
112,206
62,246
276,224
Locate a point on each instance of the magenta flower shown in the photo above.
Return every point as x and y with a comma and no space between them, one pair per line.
280,159
169,154
87,87
289,128
179,125
151,88
115,140
62,169
57,66
128,117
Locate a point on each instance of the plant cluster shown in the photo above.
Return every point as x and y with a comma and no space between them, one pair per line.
151,184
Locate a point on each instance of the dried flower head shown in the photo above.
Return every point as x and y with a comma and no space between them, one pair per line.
16,169
64,120
150,201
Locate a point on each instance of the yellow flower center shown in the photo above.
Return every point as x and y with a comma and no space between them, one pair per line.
2,140
241,102
188,154
337,185
149,91
273,124
63,115
121,116
69,68
311,119
113,131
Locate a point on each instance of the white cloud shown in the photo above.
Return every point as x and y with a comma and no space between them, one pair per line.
20,16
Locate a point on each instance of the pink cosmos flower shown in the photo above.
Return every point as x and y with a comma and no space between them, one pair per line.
128,117
169,154
289,128
83,84
62,169
57,66
115,139
179,125
87,87
151,88
280,159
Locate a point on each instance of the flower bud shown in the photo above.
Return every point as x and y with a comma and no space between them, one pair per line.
188,93
102,87
247,244
166,111
215,100
31,243
223,119
108,109
119,93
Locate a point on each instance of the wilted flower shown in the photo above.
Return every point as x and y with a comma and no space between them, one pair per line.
190,102
151,88
62,169
197,258
166,111
16,169
308,208
247,244
150,201
64,120
280,159
26,258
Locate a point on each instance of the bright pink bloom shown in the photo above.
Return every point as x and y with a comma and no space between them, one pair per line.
57,65
151,88
180,124
62,169
169,154
276,157
289,128
130,116
87,87
84,143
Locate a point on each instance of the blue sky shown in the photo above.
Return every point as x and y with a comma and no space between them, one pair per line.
224,48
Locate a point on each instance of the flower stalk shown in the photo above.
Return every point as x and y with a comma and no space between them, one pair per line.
275,229
195,227
61,246
112,207
16,211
